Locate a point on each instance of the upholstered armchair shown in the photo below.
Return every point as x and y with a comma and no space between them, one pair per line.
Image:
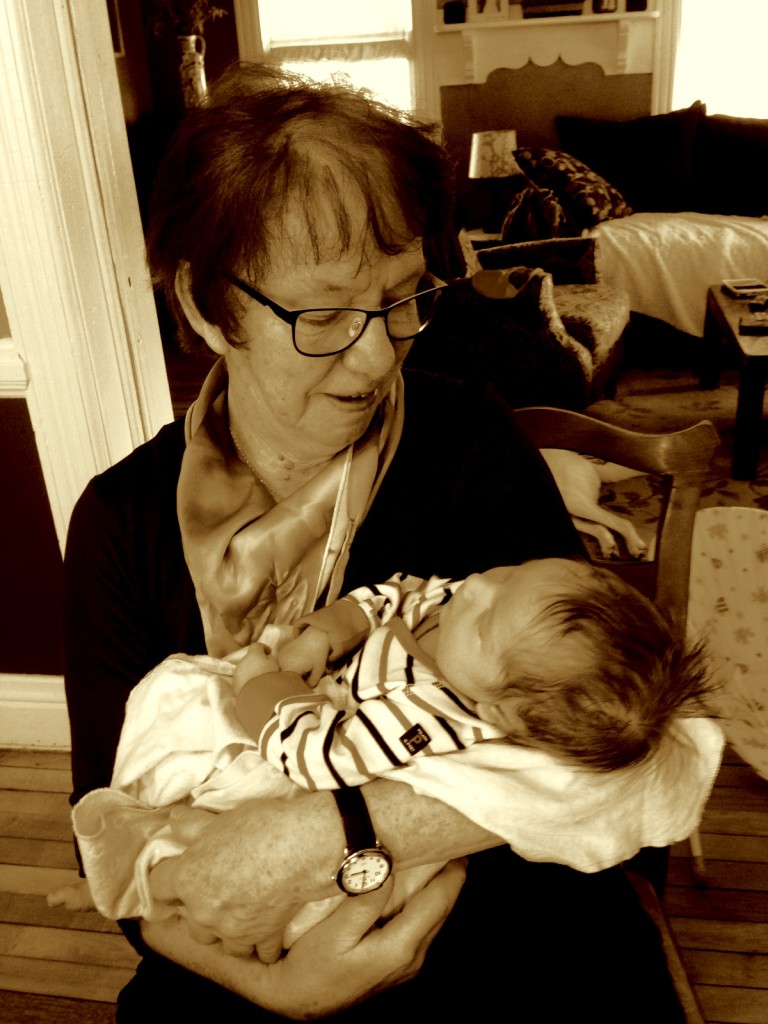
532,320
593,313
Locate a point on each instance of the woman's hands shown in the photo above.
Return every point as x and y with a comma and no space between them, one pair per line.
245,871
342,960
256,662
345,958
234,885
307,655
337,963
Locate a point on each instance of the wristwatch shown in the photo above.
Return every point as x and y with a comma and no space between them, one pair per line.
367,864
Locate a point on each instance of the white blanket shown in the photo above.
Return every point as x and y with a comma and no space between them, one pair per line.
182,741
666,261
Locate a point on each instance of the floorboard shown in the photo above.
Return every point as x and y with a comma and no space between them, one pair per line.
26,1008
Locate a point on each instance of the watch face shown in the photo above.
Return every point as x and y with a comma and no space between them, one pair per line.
364,871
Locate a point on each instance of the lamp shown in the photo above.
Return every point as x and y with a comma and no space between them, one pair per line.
492,157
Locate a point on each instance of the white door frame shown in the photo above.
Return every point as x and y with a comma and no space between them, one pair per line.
84,347
72,265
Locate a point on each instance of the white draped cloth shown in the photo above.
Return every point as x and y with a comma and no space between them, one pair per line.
200,754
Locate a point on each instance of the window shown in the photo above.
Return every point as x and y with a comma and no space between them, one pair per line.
369,42
720,57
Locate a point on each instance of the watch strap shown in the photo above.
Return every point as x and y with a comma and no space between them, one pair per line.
359,833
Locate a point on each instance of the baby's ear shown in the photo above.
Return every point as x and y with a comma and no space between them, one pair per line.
503,713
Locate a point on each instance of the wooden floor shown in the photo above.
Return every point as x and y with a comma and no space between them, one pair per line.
722,930
57,965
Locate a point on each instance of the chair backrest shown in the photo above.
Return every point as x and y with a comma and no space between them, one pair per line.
681,459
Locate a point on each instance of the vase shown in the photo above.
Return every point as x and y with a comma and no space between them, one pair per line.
194,87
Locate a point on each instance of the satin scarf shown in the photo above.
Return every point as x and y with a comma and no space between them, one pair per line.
254,561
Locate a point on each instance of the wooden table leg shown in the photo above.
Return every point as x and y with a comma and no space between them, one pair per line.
710,350
749,423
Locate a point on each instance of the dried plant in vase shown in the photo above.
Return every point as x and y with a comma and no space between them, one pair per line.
186,19
181,17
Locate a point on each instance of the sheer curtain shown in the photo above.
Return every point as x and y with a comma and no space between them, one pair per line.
721,57
368,41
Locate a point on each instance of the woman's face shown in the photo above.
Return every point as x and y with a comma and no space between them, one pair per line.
303,409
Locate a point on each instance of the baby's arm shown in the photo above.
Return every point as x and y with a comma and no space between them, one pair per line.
259,683
348,622
344,626
256,700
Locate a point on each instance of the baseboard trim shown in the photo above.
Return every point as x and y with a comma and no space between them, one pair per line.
33,712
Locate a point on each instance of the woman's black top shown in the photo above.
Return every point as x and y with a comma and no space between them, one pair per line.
465,491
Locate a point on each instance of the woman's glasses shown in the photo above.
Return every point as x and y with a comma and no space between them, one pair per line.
326,332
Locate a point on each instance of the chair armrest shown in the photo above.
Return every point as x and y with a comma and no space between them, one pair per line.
568,260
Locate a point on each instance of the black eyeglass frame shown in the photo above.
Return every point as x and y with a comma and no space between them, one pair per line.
291,316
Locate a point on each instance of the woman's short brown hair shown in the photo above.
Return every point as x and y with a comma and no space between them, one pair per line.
264,138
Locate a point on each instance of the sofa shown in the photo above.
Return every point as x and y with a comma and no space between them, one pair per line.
675,202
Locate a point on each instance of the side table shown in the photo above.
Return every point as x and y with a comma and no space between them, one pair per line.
721,330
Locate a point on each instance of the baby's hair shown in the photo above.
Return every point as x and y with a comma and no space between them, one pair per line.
614,713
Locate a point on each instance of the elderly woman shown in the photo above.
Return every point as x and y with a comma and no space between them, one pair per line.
289,231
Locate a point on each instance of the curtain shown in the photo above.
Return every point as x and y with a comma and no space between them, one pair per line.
300,21
370,43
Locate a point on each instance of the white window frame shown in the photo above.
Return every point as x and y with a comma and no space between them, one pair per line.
426,94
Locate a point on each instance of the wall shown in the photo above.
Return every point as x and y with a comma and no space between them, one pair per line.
30,567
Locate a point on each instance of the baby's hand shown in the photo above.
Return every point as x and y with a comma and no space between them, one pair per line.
255,663
307,655
73,897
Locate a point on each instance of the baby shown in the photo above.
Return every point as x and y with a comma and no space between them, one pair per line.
554,654
554,657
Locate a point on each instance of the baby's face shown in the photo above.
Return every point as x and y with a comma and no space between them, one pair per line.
491,613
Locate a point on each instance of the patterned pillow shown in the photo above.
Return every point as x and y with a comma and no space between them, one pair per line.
586,197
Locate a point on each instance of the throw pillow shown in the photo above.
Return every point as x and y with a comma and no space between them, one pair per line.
650,160
587,196
535,213
568,260
732,165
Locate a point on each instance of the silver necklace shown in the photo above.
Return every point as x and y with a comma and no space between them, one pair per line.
244,458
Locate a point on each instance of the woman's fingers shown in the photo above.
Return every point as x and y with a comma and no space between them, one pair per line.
255,663
187,824
345,959
239,949
270,951
202,935
407,936
307,655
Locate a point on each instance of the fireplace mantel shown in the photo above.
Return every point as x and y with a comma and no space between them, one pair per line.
620,44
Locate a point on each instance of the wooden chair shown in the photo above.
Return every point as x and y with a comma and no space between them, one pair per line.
681,460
